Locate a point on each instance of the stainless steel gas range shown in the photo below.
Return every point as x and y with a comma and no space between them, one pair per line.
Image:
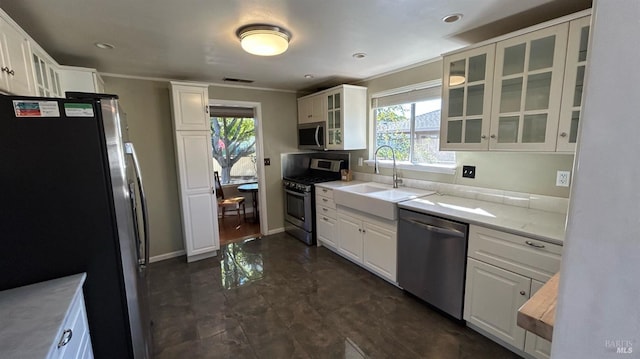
299,196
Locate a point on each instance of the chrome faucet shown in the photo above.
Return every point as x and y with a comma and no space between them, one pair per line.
396,180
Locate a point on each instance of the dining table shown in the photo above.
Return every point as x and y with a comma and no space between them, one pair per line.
253,189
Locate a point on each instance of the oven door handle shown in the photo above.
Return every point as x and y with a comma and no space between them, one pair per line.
298,194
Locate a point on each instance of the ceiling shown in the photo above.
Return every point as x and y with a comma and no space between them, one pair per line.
195,39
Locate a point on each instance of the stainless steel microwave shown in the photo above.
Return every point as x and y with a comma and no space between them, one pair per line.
311,136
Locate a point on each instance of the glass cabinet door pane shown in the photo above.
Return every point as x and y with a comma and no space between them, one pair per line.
336,100
541,56
338,136
336,119
577,95
475,98
511,95
330,102
36,64
330,123
456,101
473,131
534,128
457,73
584,42
477,66
508,129
513,60
58,84
538,90
454,131
573,131
43,67
330,137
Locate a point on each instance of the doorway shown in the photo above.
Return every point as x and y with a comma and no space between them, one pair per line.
236,133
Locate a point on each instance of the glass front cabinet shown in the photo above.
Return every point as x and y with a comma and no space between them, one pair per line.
573,83
334,119
466,99
527,90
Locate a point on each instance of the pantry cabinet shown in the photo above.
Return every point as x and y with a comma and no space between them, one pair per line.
369,241
575,65
193,148
503,271
15,63
466,99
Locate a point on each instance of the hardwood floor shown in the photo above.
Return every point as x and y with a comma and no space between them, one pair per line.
230,232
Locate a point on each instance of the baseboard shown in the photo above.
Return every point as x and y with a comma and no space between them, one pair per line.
165,256
275,231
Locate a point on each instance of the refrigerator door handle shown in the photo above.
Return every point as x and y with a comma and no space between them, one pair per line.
130,149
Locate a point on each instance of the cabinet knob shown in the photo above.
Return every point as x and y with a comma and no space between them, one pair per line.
324,209
363,231
5,69
66,338
563,134
359,229
483,137
493,136
11,72
522,292
326,219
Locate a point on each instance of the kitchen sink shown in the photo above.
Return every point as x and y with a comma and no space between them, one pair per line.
376,198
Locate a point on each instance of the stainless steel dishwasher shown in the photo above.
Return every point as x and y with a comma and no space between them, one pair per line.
432,259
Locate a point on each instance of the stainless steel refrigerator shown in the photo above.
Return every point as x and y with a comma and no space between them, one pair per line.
73,201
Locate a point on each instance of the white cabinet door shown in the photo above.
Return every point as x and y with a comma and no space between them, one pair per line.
16,61
527,89
466,99
326,230
492,299
380,250
311,109
191,106
573,84
80,79
199,211
533,344
350,237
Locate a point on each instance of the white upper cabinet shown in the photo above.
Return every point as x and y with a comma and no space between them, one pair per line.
15,62
190,107
346,114
311,109
527,90
46,76
466,99
80,79
576,63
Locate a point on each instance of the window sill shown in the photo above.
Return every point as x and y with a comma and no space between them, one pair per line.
449,169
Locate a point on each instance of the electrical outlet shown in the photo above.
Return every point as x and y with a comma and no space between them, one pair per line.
267,161
563,178
469,171
360,162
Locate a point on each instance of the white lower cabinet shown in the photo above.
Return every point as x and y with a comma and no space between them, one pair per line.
369,241
326,225
503,271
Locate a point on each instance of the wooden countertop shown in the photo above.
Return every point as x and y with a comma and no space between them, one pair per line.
538,314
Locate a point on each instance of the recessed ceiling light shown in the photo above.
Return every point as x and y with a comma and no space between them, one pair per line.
452,18
308,76
359,55
104,45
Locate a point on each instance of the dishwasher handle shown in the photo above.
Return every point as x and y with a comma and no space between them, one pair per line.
446,231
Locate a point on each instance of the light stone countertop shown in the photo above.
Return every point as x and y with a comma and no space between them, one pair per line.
32,316
533,223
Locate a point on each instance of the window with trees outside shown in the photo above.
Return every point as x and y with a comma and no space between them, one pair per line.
233,139
410,123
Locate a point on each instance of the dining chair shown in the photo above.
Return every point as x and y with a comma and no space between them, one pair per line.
233,202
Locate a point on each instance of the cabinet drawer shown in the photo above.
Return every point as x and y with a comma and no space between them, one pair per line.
73,331
325,202
324,192
323,211
529,257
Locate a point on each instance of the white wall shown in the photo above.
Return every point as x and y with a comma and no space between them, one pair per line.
598,311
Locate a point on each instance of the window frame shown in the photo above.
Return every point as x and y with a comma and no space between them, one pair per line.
410,93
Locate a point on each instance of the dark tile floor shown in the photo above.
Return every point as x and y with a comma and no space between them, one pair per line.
277,298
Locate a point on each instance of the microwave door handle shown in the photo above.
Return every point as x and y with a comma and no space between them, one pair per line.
129,149
317,130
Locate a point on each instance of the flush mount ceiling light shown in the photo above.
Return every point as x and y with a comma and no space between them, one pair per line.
452,18
263,40
308,76
359,55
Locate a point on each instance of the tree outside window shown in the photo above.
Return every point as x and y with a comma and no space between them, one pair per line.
233,140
